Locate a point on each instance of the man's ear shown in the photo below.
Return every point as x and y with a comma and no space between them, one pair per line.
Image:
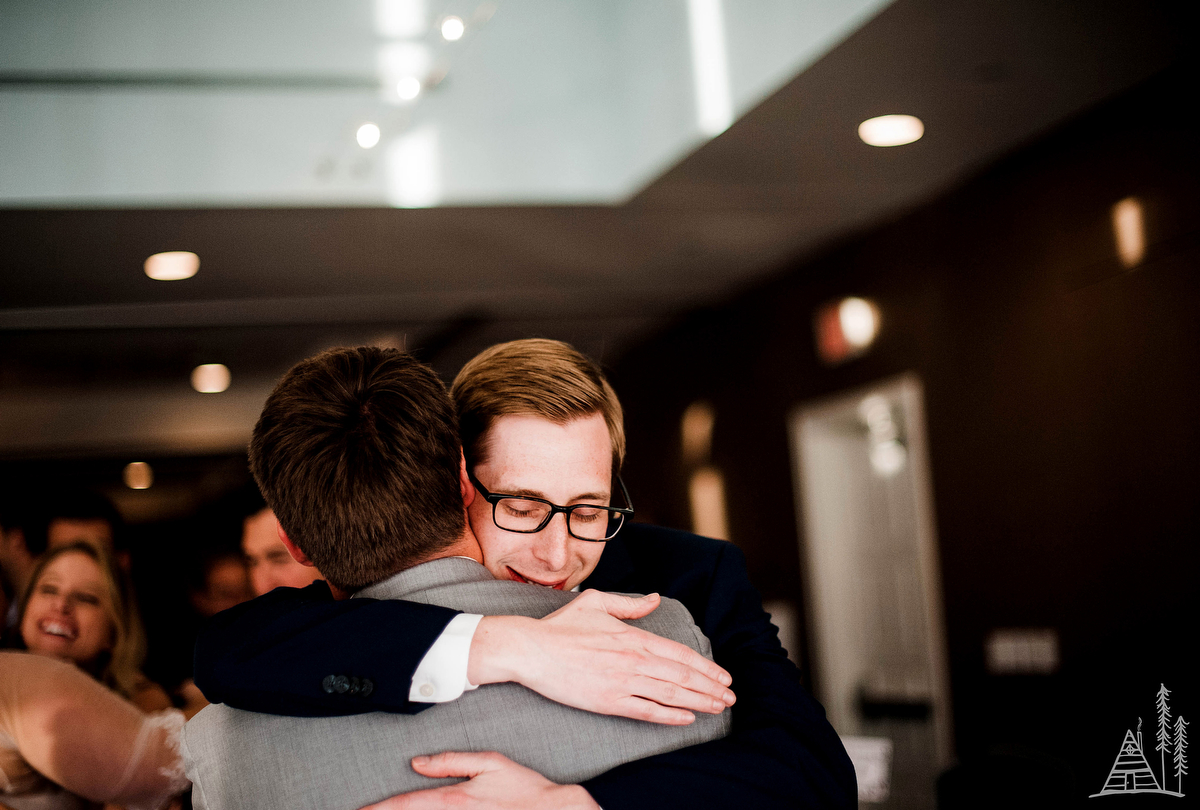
464,482
293,549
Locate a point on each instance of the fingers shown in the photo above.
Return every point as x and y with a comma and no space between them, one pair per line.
682,654
669,693
432,799
624,607
640,709
458,763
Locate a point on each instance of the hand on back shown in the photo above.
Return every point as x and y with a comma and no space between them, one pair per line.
583,655
494,782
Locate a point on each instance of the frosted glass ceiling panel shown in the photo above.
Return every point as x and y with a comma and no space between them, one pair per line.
249,103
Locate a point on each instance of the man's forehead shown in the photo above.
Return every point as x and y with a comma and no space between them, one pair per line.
532,455
68,530
583,438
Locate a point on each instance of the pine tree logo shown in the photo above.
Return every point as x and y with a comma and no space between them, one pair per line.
1131,773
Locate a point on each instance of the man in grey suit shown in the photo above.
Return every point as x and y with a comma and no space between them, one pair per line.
357,452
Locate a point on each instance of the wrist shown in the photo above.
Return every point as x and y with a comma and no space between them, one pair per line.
574,797
496,649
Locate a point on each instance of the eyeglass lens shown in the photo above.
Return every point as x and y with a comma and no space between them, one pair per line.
587,522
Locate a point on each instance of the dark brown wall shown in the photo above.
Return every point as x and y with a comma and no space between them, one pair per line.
1062,399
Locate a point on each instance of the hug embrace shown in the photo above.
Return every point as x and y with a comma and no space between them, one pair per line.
483,538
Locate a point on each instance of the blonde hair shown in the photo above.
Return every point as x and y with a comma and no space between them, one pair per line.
120,668
546,378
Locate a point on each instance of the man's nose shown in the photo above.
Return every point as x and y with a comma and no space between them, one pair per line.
551,546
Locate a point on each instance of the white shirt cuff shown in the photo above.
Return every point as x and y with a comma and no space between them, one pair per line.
442,674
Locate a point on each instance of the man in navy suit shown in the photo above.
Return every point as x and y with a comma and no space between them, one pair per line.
542,434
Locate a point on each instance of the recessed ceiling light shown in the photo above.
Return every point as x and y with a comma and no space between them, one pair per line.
210,378
891,130
453,28
1130,231
845,329
859,320
174,265
367,135
408,88
138,475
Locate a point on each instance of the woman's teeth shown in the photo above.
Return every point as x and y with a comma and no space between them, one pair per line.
58,629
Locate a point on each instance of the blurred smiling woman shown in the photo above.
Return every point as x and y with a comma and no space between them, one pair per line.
78,609
75,722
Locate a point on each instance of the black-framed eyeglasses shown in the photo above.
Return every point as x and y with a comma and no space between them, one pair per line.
528,515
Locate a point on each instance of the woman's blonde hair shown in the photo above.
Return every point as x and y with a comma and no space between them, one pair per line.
120,668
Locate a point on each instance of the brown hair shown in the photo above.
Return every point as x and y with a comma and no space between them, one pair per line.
546,378
120,668
357,453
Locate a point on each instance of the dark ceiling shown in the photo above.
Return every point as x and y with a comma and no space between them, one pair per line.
95,357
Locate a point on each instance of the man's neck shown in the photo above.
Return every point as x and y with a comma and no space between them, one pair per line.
465,546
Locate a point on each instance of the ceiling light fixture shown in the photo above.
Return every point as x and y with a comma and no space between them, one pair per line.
453,29
891,130
138,475
408,88
845,329
367,135
859,320
210,378
174,265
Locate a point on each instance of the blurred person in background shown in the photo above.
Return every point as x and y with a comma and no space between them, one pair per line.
77,515
223,581
219,581
267,558
17,558
78,608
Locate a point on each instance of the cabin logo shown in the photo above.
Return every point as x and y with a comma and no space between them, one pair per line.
1131,772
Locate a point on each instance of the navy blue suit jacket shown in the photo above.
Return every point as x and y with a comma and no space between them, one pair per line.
272,654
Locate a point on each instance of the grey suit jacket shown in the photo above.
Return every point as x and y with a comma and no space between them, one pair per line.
239,759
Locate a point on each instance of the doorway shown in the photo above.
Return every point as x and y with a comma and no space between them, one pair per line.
873,584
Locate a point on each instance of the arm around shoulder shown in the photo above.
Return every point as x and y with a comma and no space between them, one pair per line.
278,653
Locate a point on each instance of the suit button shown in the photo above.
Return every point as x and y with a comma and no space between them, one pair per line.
341,684
367,687
427,690
327,684
355,686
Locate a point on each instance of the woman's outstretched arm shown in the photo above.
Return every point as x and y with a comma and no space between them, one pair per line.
79,734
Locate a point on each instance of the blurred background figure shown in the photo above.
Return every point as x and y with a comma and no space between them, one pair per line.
79,608
224,583
66,515
267,558
17,559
